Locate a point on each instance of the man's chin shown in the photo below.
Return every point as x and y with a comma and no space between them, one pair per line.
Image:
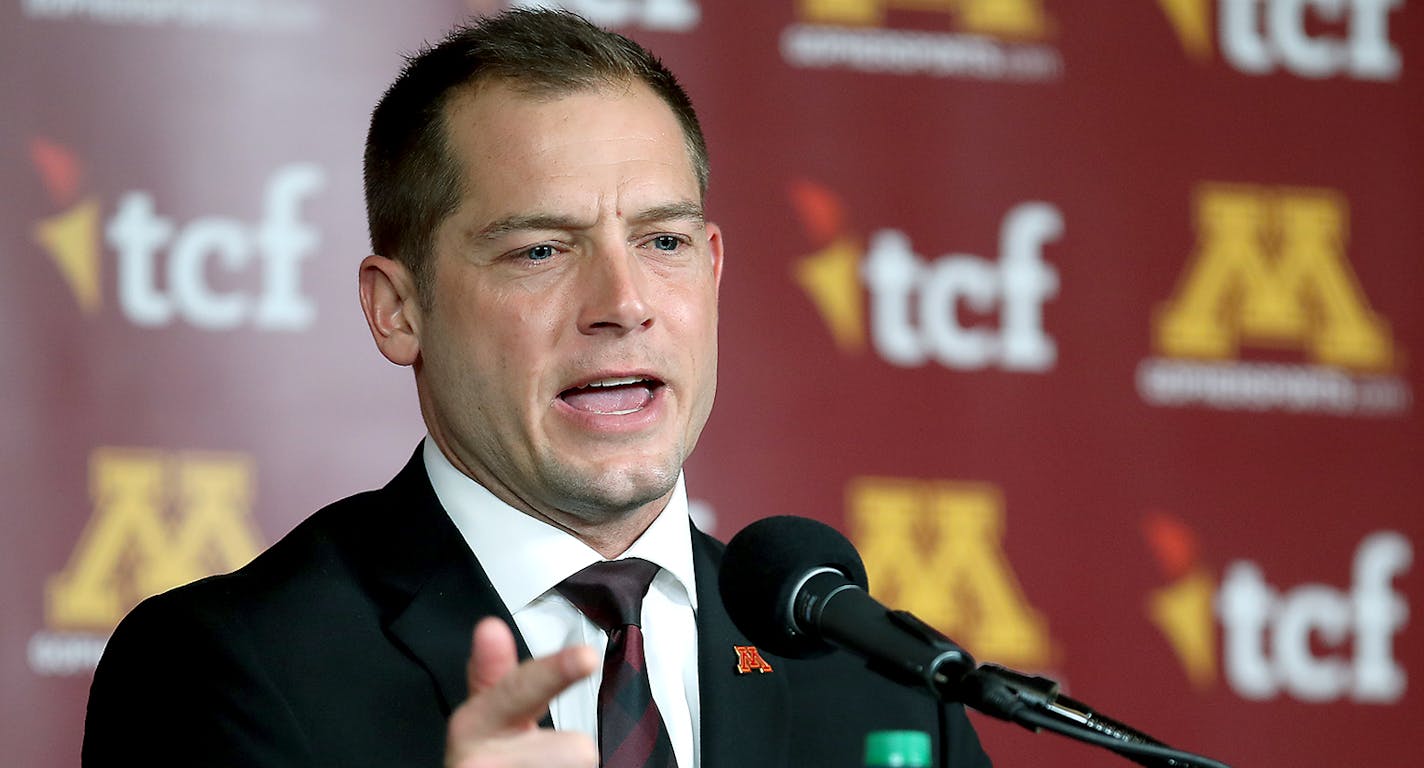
614,496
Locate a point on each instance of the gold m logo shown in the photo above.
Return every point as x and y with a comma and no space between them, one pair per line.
936,549
160,520
1270,270
1014,18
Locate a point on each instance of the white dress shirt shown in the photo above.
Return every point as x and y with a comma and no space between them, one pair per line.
525,558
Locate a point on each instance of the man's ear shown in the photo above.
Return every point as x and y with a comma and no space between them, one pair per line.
392,309
715,245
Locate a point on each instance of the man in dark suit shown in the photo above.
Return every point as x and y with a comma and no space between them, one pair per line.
535,192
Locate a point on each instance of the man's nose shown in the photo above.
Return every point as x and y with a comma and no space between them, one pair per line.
614,292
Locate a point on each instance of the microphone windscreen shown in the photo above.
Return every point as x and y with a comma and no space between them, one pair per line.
762,566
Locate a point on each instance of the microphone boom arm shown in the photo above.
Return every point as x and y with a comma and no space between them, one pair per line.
1035,703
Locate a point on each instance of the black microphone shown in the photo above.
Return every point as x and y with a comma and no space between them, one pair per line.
797,588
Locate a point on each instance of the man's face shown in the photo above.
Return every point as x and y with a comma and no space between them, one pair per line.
568,357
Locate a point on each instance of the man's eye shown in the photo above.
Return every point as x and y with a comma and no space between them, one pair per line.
666,243
539,253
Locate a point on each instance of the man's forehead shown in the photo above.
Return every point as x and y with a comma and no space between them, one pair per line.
518,165
485,102
492,93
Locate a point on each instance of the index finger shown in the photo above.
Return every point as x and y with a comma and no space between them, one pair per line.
492,655
505,694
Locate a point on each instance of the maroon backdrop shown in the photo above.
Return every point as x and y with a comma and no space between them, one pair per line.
1095,325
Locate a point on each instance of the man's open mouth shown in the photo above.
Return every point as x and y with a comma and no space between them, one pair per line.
613,397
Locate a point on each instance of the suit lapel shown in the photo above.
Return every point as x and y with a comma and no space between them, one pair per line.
744,716
436,627
433,589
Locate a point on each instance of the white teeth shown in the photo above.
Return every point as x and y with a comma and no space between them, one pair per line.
615,382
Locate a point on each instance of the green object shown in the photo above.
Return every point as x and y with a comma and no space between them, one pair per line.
897,749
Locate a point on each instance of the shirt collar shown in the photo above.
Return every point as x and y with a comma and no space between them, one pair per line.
525,557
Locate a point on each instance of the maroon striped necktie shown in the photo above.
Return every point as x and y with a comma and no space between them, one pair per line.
631,732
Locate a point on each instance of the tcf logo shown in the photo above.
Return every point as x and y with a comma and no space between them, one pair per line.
164,266
1307,38
916,304
1270,635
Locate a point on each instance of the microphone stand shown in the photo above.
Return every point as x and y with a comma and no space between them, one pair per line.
1035,703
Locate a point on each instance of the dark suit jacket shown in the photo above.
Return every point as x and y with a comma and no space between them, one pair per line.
345,644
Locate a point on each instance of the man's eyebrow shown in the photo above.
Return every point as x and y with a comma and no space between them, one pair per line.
683,210
524,223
